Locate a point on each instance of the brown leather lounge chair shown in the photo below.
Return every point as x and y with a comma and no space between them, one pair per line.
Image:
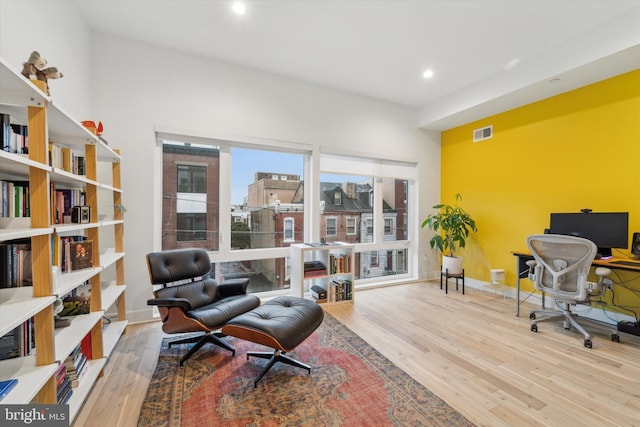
197,303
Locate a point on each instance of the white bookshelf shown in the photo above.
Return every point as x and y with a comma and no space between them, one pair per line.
27,104
301,284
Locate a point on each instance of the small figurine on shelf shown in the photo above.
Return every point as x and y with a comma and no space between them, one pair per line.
34,69
92,127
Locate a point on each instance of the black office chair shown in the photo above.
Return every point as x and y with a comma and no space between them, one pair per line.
197,303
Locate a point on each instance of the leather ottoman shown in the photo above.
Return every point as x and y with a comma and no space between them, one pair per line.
282,324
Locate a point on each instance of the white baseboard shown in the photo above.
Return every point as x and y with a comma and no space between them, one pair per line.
594,312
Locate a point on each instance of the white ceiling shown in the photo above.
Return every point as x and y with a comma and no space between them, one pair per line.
487,56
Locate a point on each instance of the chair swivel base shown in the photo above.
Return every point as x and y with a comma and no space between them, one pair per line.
276,356
567,321
201,340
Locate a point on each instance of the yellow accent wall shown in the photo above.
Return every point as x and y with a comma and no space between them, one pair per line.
580,149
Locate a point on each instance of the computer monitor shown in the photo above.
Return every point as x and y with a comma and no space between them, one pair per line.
606,229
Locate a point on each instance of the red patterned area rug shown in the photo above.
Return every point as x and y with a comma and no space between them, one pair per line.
351,384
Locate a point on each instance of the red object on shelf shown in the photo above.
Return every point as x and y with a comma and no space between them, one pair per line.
85,346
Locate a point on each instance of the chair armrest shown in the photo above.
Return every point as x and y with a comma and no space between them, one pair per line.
231,287
532,267
182,303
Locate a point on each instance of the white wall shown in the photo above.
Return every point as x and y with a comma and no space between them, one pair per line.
136,89
56,30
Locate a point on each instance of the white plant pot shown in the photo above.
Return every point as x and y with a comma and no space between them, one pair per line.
452,264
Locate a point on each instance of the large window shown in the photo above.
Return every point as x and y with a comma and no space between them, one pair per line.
268,185
190,196
348,208
245,204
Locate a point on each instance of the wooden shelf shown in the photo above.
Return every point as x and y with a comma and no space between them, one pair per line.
31,378
17,305
47,122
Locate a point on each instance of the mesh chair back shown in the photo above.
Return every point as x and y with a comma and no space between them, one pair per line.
563,264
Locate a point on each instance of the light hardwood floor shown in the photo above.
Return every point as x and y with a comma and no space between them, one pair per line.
471,350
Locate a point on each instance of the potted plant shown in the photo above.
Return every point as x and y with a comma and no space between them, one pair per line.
451,225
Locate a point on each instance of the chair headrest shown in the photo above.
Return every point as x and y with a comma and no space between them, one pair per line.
177,264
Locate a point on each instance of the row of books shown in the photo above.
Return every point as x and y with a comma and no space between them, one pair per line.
70,253
15,199
66,159
20,342
337,290
15,137
15,264
339,263
64,390
63,200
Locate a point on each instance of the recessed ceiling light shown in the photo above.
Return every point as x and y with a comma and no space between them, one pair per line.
427,74
238,7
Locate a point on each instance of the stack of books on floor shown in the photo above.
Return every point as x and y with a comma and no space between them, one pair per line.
314,269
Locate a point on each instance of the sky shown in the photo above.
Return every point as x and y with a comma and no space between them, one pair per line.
246,162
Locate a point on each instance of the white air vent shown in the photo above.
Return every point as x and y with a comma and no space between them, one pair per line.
483,133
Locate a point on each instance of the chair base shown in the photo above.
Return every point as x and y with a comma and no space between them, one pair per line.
201,340
276,356
568,320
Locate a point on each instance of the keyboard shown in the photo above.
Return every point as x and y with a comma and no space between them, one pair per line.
627,263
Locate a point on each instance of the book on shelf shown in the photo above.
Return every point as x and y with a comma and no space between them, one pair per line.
75,365
318,292
314,269
15,199
6,386
73,162
19,342
339,263
15,137
85,345
63,385
10,344
15,264
63,201
340,290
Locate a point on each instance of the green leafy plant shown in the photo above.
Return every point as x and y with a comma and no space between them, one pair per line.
455,223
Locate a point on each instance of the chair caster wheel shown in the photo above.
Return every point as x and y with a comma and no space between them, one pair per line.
534,328
615,337
532,316
588,344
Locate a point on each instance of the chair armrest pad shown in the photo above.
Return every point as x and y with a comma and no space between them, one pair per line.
231,287
182,303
